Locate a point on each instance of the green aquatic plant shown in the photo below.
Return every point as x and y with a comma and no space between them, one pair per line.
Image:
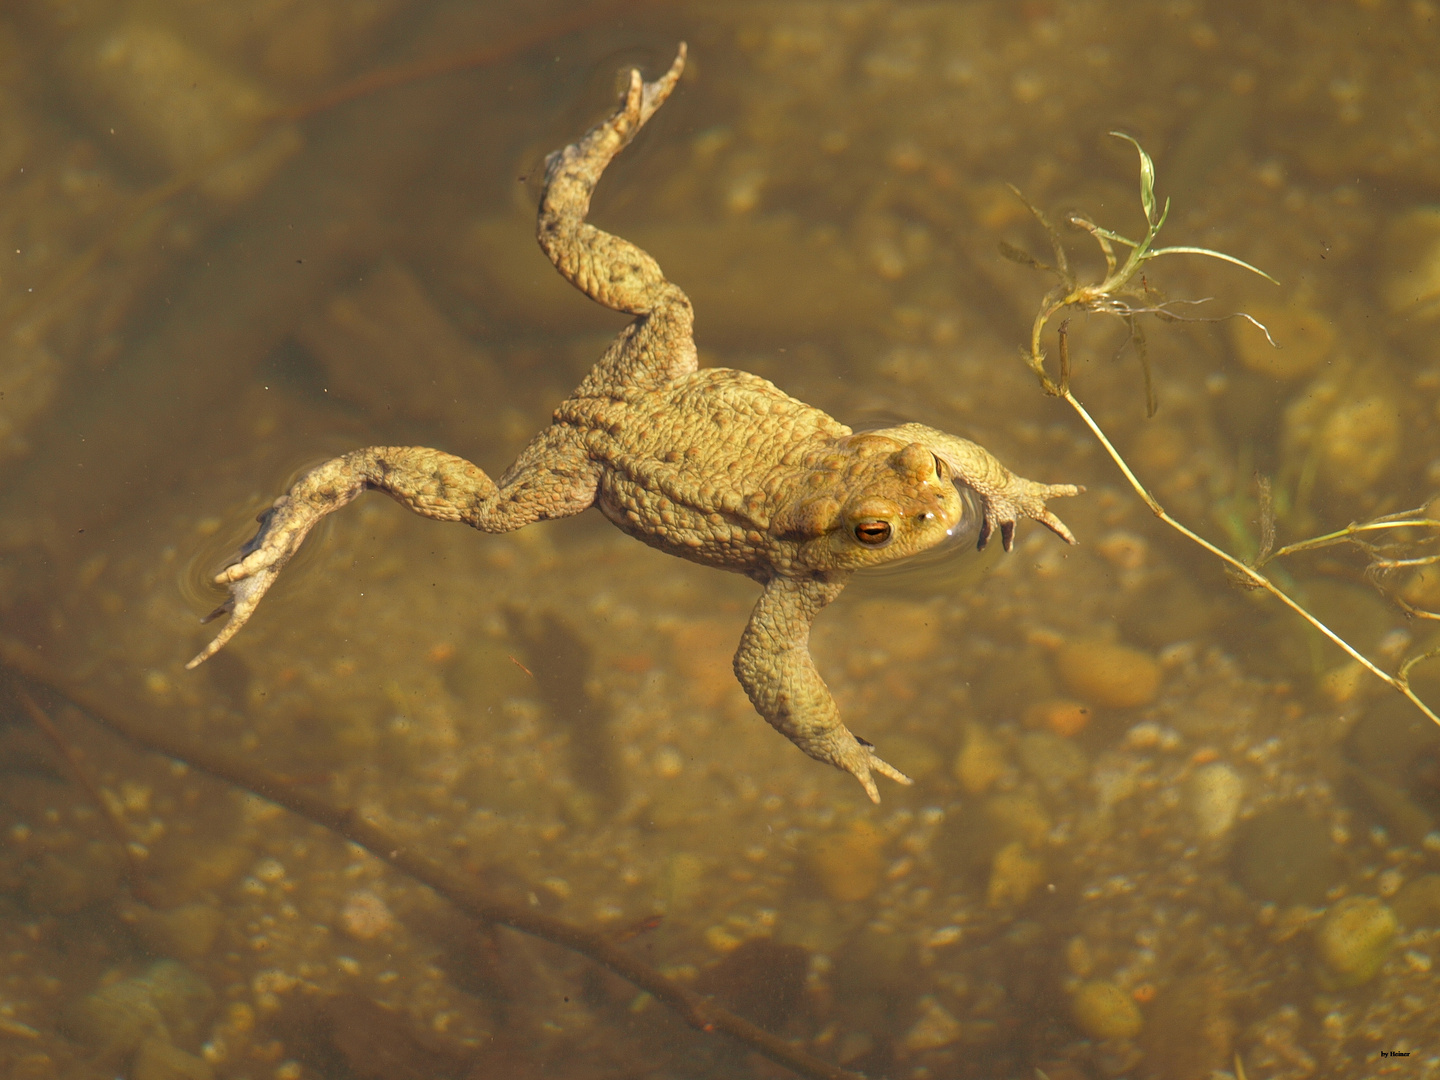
1118,294
1384,557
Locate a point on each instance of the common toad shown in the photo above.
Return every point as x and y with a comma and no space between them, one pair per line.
714,465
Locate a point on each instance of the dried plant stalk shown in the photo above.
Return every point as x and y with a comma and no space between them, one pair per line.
1115,294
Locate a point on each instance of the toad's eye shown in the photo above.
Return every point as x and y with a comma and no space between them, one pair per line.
872,533
939,467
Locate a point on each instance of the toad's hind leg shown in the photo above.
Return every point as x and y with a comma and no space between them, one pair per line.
610,270
774,666
551,479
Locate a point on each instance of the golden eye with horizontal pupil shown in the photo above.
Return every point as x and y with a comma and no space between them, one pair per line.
872,533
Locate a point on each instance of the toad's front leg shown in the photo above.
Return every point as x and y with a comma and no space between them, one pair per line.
773,665
551,479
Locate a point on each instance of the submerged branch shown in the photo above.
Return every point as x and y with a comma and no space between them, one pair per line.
695,1009
80,773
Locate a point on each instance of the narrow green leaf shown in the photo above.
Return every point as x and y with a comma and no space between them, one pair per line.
1214,255
1147,177
1116,237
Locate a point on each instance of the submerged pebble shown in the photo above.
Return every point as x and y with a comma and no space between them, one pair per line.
1355,939
1052,760
186,932
66,882
158,1060
1107,673
1103,1011
365,916
1018,815
850,863
761,980
981,760
1190,1028
1410,286
1358,442
1213,794
1059,715
1418,902
182,109
166,1001
917,758
1015,874
872,972
935,1028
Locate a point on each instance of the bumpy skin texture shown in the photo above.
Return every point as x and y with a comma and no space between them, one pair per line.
716,466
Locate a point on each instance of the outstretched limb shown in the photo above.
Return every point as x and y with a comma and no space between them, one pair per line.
659,345
774,666
1007,497
604,267
431,483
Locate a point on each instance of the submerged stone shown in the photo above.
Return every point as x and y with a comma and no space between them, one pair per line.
848,864
166,1001
1284,856
158,1060
1189,1030
67,882
186,932
1108,673
981,760
935,1028
1052,760
1304,338
1103,1011
1410,285
874,974
1213,794
1359,442
1418,902
1014,876
1355,939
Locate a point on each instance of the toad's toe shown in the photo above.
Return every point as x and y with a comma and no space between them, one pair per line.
862,761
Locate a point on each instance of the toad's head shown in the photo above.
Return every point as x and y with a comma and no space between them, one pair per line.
871,499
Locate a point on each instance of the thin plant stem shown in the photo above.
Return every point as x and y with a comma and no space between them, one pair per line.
1340,536
1107,297
1252,575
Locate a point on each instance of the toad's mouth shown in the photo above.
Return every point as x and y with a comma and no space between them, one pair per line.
972,512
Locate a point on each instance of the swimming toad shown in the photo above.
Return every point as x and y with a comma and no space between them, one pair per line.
713,465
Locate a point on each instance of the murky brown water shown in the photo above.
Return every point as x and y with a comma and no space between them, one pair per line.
1159,827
